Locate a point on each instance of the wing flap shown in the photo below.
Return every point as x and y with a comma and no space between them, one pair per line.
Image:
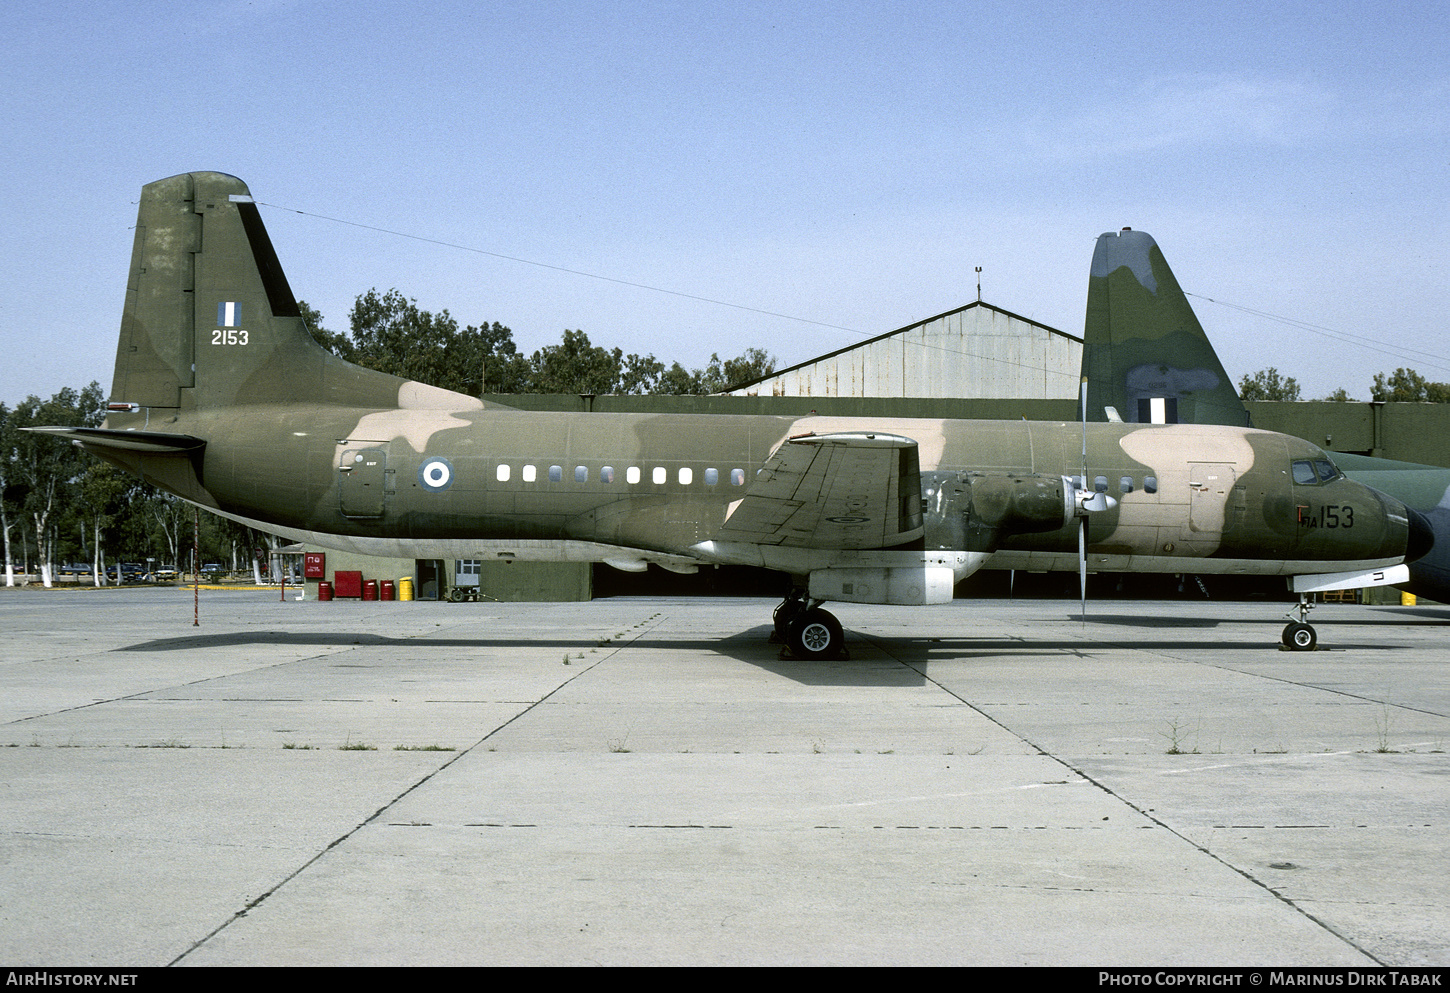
846,490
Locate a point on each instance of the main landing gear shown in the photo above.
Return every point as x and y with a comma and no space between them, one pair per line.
808,631
1298,635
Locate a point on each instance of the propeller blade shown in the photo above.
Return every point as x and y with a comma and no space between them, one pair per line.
1082,565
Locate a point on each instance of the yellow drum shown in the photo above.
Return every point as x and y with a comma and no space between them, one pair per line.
405,588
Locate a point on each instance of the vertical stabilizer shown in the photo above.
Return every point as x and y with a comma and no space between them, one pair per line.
1144,352
210,320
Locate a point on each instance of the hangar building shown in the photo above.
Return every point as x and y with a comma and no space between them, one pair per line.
977,351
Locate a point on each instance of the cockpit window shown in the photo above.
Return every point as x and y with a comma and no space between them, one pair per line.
1308,472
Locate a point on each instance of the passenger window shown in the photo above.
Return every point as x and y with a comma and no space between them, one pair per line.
606,474
631,475
712,477
556,474
1125,485
737,477
1150,484
1101,484
581,474
660,475
529,474
503,472
686,476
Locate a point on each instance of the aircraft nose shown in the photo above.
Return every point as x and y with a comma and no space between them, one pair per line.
1421,538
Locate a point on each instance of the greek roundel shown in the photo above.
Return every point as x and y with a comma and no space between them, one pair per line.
436,475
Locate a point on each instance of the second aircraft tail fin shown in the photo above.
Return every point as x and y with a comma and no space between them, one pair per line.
1144,353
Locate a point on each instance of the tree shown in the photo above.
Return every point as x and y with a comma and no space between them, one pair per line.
1340,395
335,342
1266,384
755,364
575,365
7,506
718,376
391,334
103,491
1408,386
47,471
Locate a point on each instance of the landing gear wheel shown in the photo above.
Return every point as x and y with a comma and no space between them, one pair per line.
815,634
1299,637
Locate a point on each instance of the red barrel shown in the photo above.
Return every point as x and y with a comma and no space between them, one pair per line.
324,590
370,589
386,589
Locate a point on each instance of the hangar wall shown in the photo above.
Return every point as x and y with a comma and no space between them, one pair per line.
974,351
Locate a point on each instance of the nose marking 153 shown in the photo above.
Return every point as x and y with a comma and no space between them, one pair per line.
1329,516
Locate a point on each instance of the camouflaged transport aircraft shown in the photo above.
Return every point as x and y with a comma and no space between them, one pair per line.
1147,359
222,397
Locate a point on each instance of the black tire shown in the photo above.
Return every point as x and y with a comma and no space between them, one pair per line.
1299,637
815,634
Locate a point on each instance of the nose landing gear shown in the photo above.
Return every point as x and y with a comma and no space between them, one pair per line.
1299,636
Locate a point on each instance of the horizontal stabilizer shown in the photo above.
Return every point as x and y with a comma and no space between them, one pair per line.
155,442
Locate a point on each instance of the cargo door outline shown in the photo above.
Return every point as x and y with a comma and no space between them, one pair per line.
1215,500
364,482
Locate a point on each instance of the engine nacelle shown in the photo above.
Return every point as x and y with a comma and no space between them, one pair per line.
977,510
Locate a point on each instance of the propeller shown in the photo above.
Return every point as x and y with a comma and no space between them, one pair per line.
1086,500
1083,511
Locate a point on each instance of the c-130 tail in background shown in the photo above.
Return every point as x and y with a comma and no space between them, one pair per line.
222,397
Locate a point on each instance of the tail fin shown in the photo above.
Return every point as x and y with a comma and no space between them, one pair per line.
210,320
1144,352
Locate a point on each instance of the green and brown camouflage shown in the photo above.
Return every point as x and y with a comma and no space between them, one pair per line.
1144,350
222,397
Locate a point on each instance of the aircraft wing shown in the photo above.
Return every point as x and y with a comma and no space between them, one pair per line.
847,490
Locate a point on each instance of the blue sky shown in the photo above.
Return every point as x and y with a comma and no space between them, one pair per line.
848,164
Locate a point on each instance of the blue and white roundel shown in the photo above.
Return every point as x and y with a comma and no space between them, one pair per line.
436,475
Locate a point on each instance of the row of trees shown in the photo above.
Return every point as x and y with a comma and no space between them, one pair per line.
390,333
1400,386
58,504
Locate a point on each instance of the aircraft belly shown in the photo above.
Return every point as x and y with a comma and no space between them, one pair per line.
1031,561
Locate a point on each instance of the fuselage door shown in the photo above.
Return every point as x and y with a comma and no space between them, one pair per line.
1213,499
362,482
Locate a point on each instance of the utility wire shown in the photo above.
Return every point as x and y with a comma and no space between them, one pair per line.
1439,362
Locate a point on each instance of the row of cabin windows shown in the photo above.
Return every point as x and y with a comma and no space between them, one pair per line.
633,475
1126,484
659,475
